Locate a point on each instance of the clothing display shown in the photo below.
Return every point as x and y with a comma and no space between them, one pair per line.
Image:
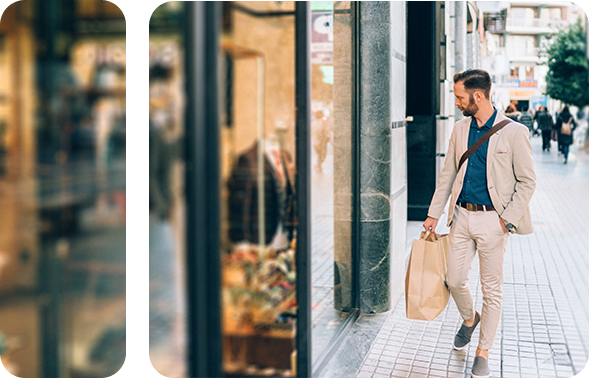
279,197
260,308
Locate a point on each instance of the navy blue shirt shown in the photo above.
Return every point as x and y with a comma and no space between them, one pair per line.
474,186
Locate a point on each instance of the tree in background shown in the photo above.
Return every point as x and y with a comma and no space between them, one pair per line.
567,79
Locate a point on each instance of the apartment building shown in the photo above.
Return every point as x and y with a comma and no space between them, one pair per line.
516,33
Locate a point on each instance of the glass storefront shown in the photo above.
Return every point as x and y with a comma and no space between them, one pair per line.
95,238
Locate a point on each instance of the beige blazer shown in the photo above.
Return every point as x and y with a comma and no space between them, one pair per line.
511,179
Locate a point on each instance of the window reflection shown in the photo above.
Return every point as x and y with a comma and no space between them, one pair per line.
331,179
118,164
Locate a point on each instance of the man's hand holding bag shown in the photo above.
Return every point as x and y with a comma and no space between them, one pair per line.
426,292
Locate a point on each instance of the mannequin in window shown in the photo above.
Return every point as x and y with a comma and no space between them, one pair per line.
278,193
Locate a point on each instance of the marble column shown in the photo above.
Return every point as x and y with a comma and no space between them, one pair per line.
375,156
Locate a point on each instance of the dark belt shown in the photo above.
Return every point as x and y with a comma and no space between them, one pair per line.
474,207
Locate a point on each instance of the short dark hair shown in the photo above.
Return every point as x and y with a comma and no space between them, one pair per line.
475,79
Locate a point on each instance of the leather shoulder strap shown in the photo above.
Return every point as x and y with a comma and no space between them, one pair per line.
482,140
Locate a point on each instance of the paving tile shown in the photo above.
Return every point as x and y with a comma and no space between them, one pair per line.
370,362
404,361
402,367
385,371
456,369
388,352
387,358
385,364
545,373
419,370
421,364
438,366
437,372
406,355
441,361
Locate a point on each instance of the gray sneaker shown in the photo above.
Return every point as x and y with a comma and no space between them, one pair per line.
480,368
463,336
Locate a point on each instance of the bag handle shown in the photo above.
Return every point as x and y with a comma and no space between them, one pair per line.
482,140
430,236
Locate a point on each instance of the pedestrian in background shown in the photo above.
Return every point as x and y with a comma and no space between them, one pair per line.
527,120
545,124
511,112
565,125
489,197
322,131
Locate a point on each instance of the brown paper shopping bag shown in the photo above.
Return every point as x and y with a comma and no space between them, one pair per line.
426,292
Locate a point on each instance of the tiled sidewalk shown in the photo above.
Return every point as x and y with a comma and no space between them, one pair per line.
544,328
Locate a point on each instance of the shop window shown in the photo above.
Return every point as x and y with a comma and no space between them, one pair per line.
258,207
259,265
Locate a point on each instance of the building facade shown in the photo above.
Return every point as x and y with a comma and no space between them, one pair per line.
515,35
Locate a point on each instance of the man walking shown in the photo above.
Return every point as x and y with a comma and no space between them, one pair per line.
527,120
545,124
489,196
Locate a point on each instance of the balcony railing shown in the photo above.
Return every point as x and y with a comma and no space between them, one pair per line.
498,23
541,3
522,52
532,24
530,54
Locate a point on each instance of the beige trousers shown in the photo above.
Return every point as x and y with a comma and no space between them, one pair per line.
472,231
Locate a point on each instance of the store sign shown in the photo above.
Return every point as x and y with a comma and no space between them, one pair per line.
517,83
322,38
521,94
528,83
538,100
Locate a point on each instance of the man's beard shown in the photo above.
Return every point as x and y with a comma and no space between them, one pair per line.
471,109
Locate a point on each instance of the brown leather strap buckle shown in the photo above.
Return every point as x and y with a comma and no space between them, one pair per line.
475,207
